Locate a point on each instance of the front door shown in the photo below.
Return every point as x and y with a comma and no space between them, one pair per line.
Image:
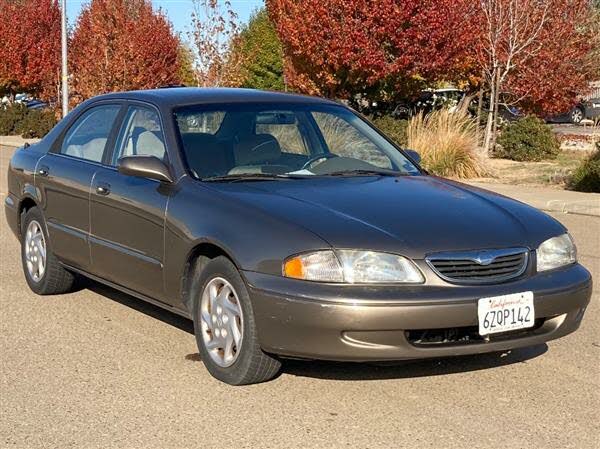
63,177
128,213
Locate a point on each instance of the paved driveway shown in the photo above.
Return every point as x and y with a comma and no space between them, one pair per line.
99,369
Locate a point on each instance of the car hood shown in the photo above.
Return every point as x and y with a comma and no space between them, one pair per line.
410,215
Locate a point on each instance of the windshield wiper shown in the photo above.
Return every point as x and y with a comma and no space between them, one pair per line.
365,172
250,177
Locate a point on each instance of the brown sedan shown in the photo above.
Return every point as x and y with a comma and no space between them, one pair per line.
286,225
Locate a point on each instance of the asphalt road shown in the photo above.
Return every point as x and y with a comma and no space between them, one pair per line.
99,369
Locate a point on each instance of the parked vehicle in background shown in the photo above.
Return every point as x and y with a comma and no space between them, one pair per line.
30,102
286,226
36,104
584,110
429,100
434,99
507,113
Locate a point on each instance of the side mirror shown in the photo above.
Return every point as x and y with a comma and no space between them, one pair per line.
414,155
145,167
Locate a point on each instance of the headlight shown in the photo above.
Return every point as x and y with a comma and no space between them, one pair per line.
556,252
352,267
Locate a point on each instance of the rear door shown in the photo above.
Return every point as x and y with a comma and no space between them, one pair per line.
64,175
128,213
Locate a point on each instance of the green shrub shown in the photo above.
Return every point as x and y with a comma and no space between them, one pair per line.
586,178
393,128
527,139
18,120
10,118
36,123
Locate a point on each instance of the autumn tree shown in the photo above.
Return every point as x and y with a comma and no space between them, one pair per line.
261,54
383,47
122,45
30,47
215,29
536,53
187,73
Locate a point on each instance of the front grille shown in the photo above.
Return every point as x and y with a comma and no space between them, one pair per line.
476,267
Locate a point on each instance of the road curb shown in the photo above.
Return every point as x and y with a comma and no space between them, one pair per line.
549,200
15,141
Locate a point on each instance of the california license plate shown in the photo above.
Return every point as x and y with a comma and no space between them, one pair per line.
505,313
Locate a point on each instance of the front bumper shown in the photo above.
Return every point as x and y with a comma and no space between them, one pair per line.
363,323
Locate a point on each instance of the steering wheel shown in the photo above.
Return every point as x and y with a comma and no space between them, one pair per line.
323,156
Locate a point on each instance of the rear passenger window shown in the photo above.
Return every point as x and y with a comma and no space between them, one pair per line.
87,137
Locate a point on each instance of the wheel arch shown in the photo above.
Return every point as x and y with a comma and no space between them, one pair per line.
25,205
197,257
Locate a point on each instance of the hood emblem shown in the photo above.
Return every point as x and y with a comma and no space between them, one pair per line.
484,258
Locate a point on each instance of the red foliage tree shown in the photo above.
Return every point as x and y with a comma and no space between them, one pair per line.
551,80
535,53
30,47
337,47
122,45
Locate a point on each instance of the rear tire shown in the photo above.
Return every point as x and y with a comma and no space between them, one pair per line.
576,115
224,326
44,274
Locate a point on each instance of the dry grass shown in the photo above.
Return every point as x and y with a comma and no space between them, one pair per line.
447,143
554,173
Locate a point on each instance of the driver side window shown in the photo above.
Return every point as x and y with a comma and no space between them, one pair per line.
141,134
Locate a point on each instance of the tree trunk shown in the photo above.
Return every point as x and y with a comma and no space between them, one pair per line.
496,101
479,110
490,116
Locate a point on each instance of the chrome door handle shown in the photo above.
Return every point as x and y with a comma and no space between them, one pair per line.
103,189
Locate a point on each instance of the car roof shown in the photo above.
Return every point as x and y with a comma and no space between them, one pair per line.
183,96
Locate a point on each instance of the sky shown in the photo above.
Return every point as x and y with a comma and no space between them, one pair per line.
178,11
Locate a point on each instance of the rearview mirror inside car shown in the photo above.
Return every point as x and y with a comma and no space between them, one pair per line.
275,118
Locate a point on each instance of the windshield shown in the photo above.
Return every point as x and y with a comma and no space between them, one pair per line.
290,140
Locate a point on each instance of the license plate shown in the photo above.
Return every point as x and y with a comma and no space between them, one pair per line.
505,313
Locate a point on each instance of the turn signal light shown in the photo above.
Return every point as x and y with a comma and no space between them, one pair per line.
293,268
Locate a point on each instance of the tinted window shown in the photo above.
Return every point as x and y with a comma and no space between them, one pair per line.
87,137
141,134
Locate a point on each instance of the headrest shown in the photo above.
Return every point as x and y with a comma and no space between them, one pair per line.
257,149
149,143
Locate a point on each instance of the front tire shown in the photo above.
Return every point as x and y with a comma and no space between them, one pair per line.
225,328
44,274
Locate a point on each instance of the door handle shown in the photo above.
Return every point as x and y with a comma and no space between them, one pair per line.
43,170
103,189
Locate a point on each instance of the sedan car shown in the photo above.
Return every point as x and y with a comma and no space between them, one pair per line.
286,226
584,110
428,101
